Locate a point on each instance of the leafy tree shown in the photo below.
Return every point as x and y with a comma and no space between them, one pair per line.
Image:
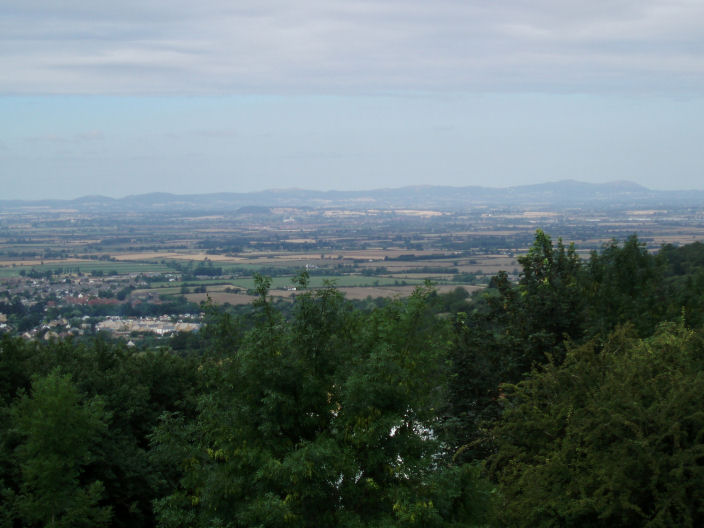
684,275
683,260
551,306
58,432
625,285
324,420
136,388
480,360
510,330
15,366
612,437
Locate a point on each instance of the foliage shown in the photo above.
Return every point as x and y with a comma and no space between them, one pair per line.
684,276
135,388
550,298
612,437
511,329
480,362
324,420
625,284
57,435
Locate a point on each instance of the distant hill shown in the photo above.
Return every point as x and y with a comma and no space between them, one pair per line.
553,195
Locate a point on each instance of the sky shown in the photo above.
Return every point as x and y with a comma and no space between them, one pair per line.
120,98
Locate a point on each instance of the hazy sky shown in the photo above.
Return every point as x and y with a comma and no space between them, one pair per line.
135,96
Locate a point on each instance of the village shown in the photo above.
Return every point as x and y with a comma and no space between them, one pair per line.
59,305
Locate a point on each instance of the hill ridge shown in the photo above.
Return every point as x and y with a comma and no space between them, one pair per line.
560,193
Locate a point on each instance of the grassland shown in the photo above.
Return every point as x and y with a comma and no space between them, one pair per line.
13,269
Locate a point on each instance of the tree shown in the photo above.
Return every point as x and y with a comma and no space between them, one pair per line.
480,360
324,420
551,298
510,330
57,432
612,437
625,285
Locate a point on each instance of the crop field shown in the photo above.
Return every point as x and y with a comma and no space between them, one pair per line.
235,299
179,256
277,283
145,256
396,291
84,266
352,293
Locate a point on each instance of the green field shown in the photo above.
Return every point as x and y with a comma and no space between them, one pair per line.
280,283
89,266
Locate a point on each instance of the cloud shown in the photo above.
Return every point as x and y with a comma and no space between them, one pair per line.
363,46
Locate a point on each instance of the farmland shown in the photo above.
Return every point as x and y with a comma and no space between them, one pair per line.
58,263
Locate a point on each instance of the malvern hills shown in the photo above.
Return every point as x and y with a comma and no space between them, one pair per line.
553,195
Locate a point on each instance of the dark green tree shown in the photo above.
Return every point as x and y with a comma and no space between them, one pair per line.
135,387
625,284
511,329
611,437
684,280
58,432
551,299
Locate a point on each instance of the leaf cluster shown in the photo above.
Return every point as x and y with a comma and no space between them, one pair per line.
611,437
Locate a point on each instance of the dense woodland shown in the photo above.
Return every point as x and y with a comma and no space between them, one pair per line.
573,398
